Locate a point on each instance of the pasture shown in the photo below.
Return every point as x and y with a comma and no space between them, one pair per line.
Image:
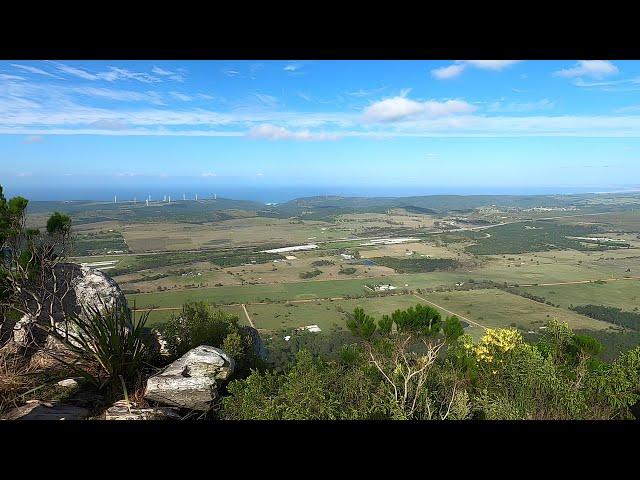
623,293
498,309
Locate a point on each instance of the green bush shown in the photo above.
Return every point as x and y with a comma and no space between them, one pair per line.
198,324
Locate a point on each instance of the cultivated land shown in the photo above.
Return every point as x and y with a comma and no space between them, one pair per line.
560,249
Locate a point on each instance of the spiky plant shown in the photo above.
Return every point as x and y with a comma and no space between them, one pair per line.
106,345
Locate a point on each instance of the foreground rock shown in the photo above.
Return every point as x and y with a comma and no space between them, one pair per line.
191,381
124,410
83,286
38,410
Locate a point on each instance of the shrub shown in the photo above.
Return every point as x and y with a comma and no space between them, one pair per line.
198,324
106,344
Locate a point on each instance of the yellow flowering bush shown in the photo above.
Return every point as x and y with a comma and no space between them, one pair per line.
494,344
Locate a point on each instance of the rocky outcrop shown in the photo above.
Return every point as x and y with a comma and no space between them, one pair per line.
191,381
39,410
79,286
123,410
258,345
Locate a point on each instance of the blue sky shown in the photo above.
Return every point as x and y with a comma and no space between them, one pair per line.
491,123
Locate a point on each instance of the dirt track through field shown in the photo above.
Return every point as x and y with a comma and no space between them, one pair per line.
462,317
247,315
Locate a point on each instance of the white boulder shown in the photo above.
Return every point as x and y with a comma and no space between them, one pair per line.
191,381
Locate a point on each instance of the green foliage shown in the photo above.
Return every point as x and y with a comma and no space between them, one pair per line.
614,315
198,324
310,274
452,328
536,236
328,345
361,324
58,223
417,265
347,271
420,320
310,390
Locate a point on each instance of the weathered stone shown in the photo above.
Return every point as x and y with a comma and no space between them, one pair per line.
38,410
68,383
86,288
190,381
123,410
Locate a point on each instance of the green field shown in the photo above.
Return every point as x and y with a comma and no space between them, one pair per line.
327,314
158,317
624,294
498,309
292,291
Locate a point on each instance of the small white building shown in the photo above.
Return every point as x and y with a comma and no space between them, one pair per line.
346,256
383,287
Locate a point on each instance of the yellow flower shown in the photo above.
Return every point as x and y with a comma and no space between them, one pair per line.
494,343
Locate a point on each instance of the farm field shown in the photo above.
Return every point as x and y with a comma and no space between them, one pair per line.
624,294
146,237
204,252
158,317
327,314
498,309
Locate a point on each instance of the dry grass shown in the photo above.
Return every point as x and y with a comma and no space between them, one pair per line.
16,377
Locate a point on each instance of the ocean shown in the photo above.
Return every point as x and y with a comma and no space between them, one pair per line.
280,194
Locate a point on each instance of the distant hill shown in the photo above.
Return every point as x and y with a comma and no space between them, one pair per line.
323,207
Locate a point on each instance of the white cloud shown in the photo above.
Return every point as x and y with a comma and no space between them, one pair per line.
4,76
160,71
129,75
76,72
121,95
32,109
273,132
544,104
292,67
401,108
231,73
181,96
451,71
492,64
178,77
113,74
30,69
107,124
589,68
456,68
208,174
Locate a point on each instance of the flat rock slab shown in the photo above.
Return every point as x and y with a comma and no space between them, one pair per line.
123,410
190,381
38,410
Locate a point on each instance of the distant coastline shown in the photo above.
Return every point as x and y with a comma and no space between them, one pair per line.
285,194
